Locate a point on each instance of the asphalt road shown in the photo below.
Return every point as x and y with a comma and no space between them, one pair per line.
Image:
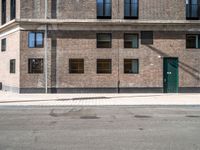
100,128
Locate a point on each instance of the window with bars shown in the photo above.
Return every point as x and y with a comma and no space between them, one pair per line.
36,40
130,40
104,40
130,9
131,66
35,65
192,41
104,66
76,66
104,9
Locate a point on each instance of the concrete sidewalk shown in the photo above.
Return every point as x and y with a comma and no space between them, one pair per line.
7,99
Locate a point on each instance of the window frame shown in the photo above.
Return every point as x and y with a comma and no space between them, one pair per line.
97,41
82,71
104,10
137,40
100,72
30,65
130,4
3,47
138,65
35,39
196,40
12,66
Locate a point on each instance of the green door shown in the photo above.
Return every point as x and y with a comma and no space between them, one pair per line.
171,80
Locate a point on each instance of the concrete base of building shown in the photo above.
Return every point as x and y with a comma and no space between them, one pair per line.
108,90
97,90
189,90
10,88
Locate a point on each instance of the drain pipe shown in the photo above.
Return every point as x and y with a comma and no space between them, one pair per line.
46,48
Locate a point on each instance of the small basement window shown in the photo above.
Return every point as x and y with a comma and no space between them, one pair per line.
76,66
35,65
104,40
104,66
192,41
131,66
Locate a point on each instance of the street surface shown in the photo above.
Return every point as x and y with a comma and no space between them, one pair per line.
100,128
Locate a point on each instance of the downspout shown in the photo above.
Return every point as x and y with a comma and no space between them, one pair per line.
46,48
118,76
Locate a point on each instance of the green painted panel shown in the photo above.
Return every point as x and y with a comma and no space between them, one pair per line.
171,79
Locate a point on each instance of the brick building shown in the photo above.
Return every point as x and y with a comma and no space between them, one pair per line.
100,46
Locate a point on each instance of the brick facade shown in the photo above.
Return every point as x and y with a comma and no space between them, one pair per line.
73,30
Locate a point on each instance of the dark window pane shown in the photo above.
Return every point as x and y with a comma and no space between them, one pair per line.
108,10
104,66
3,12
35,65
146,37
100,8
192,9
76,66
31,40
3,45
134,11
104,40
12,66
36,40
12,9
104,8
130,9
127,10
131,66
192,41
130,41
39,40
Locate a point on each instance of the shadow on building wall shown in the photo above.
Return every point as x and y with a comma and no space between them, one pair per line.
190,70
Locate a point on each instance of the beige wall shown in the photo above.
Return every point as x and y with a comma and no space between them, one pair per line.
10,81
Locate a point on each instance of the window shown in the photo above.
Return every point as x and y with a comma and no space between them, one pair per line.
12,66
3,45
104,9
76,66
3,12
130,40
104,66
12,9
131,66
146,37
192,41
192,9
130,9
36,39
35,65
104,40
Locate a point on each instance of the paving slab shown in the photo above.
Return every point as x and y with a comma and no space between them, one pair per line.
7,98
